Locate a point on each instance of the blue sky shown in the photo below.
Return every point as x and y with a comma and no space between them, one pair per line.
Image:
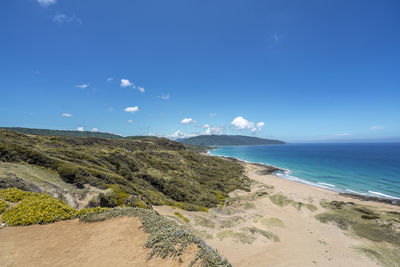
293,70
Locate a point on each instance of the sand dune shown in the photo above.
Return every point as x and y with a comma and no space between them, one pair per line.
115,242
303,240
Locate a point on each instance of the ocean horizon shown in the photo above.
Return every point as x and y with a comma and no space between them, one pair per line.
371,169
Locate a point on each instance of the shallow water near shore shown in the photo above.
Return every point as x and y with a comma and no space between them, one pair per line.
362,168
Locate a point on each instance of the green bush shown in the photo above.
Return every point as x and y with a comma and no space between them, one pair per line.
13,194
3,206
136,202
90,211
115,198
38,209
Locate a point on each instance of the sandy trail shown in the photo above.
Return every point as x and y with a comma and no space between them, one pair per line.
115,242
304,241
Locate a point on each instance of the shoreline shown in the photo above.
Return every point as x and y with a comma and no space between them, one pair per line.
278,216
351,194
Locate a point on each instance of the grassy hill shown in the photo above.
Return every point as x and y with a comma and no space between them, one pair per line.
228,140
32,131
155,171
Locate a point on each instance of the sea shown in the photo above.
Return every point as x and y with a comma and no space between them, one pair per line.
371,169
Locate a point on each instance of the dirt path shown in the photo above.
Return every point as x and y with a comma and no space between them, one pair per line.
115,242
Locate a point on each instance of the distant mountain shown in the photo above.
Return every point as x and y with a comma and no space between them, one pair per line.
60,132
228,140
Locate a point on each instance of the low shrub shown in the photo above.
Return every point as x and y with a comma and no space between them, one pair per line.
280,200
272,222
13,194
370,217
137,202
231,222
269,235
3,206
115,198
90,211
241,237
38,209
341,221
311,207
204,222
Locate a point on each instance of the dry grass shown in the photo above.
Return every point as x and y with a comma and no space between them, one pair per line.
272,222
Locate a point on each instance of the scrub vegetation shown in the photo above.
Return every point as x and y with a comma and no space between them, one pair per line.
148,171
380,227
36,208
266,234
380,254
166,237
3,206
272,222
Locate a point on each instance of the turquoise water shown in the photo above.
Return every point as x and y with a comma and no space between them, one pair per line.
370,169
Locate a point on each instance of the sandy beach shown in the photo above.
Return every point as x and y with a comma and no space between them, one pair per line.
292,235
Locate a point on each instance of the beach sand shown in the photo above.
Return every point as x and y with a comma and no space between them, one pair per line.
115,242
303,240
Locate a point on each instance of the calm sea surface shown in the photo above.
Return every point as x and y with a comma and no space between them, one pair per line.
371,169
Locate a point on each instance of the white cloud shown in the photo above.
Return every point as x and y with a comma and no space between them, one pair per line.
46,2
110,79
260,125
242,124
213,114
126,83
187,121
83,86
214,130
66,114
130,121
94,130
376,127
63,18
80,129
179,134
141,89
164,97
110,109
132,109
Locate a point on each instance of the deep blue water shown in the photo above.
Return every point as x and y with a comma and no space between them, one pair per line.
365,168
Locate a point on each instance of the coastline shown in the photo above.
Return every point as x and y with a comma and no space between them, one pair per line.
286,174
278,216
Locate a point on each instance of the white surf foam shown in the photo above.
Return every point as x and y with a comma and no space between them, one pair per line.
382,195
355,192
299,180
332,185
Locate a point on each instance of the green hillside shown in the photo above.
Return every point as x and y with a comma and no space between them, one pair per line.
228,140
60,132
157,171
